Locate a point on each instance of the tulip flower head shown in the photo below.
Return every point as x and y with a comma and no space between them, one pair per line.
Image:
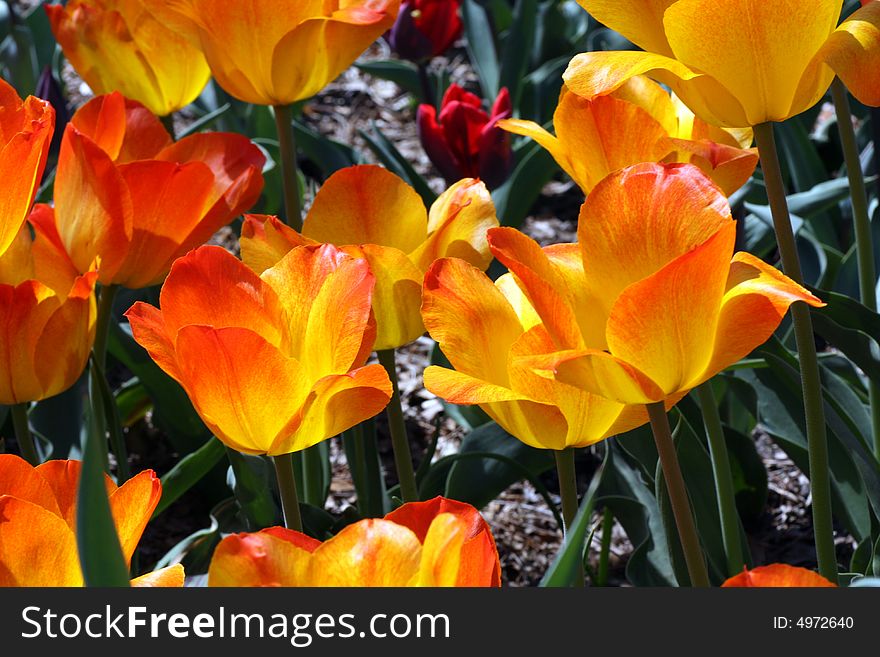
25,134
276,52
638,122
38,523
48,312
425,28
127,195
466,142
736,64
371,213
233,339
777,575
126,46
440,542
664,307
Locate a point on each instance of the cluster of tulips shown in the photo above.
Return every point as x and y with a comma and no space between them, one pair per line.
575,344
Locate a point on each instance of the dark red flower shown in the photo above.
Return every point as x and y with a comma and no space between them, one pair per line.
425,28
465,141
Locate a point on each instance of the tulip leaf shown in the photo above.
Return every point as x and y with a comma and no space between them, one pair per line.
328,154
195,551
404,74
100,552
479,481
568,563
515,198
517,49
62,419
366,469
189,471
851,327
252,479
481,47
388,154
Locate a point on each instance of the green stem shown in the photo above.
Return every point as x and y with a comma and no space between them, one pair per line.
814,411
102,323
861,228
287,146
567,476
428,96
678,497
409,490
287,490
605,547
168,122
313,476
23,433
723,479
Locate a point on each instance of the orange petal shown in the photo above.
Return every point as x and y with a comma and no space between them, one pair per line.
232,376
602,374
265,240
853,51
777,575
170,577
21,480
132,505
149,331
729,167
640,21
367,205
262,559
638,220
665,325
37,548
757,298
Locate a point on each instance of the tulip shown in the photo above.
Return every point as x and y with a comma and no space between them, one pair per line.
38,523
234,339
777,575
276,52
425,28
440,542
663,307
48,312
25,134
769,60
125,194
371,213
639,122
465,141
126,46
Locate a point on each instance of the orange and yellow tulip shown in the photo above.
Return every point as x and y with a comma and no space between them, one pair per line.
125,46
276,52
26,129
38,523
777,575
736,64
440,542
130,197
638,122
234,339
48,313
371,213
664,307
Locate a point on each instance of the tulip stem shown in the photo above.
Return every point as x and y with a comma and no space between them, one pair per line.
287,146
565,472
287,490
862,230
605,547
168,122
723,479
23,433
814,411
678,496
313,476
409,490
102,323
425,82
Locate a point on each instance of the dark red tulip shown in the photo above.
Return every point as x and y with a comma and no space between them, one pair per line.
425,28
465,141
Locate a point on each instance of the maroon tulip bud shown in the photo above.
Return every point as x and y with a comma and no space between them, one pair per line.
425,28
465,141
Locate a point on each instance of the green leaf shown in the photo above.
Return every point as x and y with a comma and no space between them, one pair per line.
328,154
567,564
61,418
388,154
481,46
517,49
189,471
851,327
515,198
404,74
252,478
100,552
479,481
362,453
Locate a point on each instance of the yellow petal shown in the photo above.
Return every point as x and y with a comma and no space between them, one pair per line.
640,21
272,557
265,240
170,577
853,51
132,506
20,479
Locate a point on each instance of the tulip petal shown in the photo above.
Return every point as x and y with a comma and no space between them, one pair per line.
260,559
265,240
729,167
132,505
665,325
676,205
599,73
777,575
367,205
170,577
441,552
853,51
602,374
433,139
37,548
640,21
232,376
757,298
149,331
335,404
21,480
372,552
759,52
